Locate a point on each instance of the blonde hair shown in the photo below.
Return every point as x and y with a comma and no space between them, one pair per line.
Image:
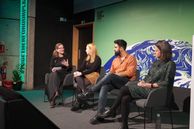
93,49
55,53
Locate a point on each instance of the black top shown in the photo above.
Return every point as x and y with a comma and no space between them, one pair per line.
56,62
161,72
88,67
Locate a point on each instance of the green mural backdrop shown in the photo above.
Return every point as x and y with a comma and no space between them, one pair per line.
139,20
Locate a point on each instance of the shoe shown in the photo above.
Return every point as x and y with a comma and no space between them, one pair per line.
52,104
88,94
96,119
85,106
109,113
122,127
76,107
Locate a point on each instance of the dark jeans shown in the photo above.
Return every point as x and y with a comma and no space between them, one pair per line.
107,83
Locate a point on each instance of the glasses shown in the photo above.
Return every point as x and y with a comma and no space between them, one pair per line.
60,48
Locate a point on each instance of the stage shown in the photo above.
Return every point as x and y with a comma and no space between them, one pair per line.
64,118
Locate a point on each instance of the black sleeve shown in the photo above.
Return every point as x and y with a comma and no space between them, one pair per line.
149,71
83,66
52,63
169,75
95,66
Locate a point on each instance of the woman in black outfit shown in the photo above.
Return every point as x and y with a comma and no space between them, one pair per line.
88,72
59,67
161,74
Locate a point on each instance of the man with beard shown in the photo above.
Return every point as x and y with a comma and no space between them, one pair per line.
123,69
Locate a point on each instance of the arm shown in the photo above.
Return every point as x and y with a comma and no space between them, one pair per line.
82,66
169,75
166,78
51,63
96,64
67,63
131,68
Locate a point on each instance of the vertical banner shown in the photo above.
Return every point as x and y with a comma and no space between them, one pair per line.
23,33
191,126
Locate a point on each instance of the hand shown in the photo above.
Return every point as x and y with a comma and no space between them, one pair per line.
54,70
77,73
65,62
141,83
155,85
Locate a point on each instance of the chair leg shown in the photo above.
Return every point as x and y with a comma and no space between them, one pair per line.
144,118
151,113
74,97
62,99
171,117
45,97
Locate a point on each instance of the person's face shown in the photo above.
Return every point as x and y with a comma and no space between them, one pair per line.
88,50
60,49
117,49
157,52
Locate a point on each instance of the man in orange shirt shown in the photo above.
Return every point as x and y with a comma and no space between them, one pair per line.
123,69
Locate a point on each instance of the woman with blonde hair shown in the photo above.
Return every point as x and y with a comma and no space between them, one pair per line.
88,72
59,67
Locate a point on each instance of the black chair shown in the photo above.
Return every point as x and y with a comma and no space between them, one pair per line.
157,99
66,85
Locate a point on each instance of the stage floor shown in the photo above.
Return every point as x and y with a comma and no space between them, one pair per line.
64,118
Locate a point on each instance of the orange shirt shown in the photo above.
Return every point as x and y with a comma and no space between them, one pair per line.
126,67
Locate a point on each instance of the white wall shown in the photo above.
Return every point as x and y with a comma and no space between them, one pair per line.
192,91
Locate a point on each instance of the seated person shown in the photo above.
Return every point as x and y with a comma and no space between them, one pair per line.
59,66
123,69
88,72
160,75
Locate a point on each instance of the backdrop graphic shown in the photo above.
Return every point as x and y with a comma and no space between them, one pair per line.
182,56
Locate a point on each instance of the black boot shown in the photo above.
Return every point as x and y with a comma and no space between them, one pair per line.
89,94
109,113
97,119
76,107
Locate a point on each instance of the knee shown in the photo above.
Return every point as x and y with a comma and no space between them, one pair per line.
53,74
123,90
103,92
111,75
125,100
77,79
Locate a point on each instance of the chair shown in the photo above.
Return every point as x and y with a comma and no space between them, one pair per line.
157,98
67,84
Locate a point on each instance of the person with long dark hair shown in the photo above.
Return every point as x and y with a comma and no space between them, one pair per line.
161,74
59,67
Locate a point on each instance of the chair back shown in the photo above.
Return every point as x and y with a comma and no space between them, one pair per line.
46,78
102,73
157,98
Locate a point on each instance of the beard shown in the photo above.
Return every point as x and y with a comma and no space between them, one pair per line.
117,53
